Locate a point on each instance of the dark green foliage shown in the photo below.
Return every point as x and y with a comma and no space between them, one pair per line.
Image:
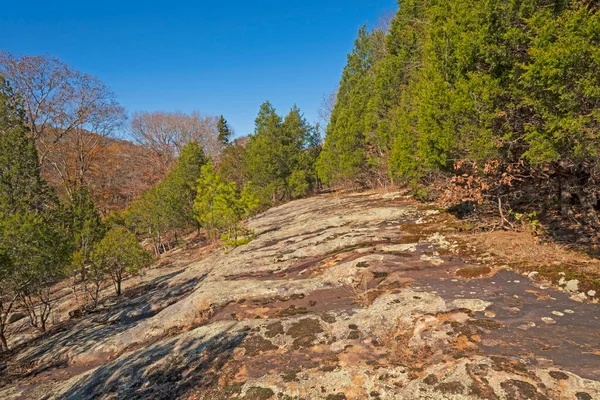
35,245
180,184
224,131
86,224
279,158
350,143
561,84
511,82
231,163
21,188
169,206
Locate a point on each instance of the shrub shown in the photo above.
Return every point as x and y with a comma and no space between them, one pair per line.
119,254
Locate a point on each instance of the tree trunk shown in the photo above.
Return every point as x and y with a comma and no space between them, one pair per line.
118,287
3,342
566,198
589,200
97,294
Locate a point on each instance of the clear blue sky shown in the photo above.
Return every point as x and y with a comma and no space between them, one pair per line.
217,57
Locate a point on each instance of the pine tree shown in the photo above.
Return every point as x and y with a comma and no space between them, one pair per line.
232,162
21,187
86,225
224,131
180,188
169,206
219,207
300,150
345,152
265,162
462,82
213,193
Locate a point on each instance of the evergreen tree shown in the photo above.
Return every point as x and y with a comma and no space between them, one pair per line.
224,131
280,156
169,206
219,207
561,85
179,186
35,246
501,83
86,226
301,148
264,156
232,162
350,130
21,187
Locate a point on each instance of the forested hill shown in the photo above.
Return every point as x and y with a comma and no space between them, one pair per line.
491,102
119,172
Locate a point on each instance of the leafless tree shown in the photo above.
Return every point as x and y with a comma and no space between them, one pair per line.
120,173
384,22
165,133
326,107
8,299
38,302
70,114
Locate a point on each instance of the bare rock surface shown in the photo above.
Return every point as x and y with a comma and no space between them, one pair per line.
351,297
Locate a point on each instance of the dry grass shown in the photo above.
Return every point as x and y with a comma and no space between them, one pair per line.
474,272
525,253
523,246
359,289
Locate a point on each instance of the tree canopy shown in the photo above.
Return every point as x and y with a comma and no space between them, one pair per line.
119,254
279,157
35,245
169,206
511,83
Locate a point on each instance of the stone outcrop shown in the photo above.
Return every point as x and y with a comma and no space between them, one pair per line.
353,297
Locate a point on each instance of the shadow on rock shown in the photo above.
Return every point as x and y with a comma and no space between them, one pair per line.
78,337
167,370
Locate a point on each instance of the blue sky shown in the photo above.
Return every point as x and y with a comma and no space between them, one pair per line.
217,57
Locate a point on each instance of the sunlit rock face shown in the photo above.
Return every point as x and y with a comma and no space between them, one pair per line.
337,297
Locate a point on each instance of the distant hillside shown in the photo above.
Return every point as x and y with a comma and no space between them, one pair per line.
119,172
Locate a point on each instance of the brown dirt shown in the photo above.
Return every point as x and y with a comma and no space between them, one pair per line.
525,252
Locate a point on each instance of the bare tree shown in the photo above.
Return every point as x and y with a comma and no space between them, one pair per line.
8,299
165,133
70,114
121,172
384,21
326,107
